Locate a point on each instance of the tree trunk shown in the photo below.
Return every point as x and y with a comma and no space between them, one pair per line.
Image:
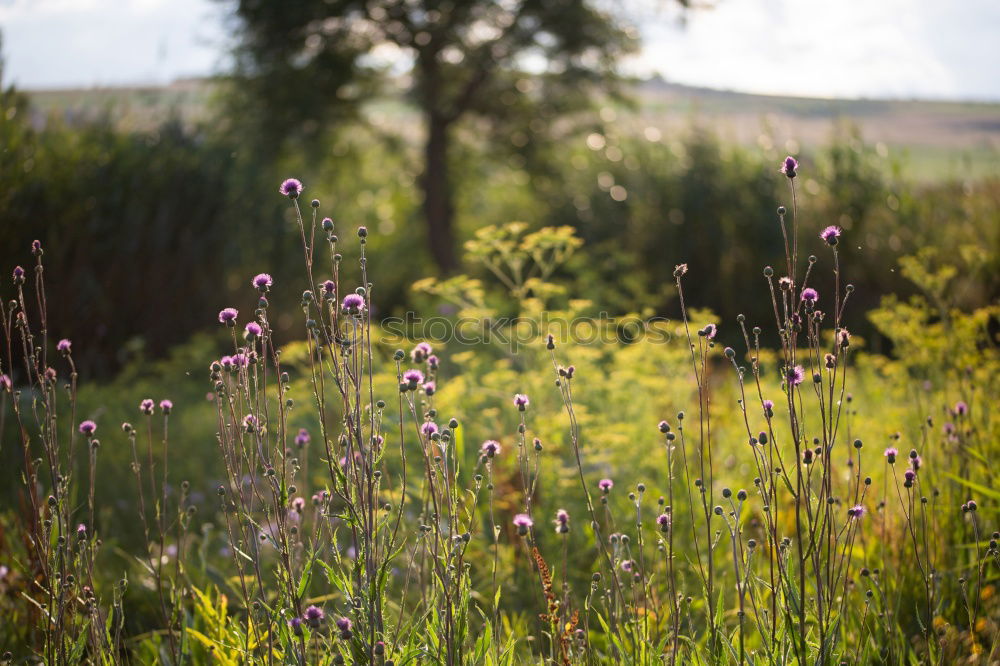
439,211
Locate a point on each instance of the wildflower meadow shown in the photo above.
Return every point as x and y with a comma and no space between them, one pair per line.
512,480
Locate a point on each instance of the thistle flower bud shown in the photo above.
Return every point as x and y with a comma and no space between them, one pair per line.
789,166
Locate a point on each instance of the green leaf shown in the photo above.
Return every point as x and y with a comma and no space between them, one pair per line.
982,490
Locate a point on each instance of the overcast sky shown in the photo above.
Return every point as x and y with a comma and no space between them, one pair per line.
827,48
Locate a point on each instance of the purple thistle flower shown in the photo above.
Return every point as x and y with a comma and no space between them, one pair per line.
329,287
521,401
916,462
412,378
909,477
226,362
291,188
313,616
295,624
302,438
262,281
146,406
253,329
890,454
810,295
523,523
789,166
795,375
429,428
768,408
64,346
420,352
6,383
830,234
353,304
430,388
344,625
961,409
88,427
240,360
948,428
605,485
626,566
663,520
166,405
299,504
433,362
710,331
81,531
228,316
562,521
856,511
490,448
843,338
250,422
18,274
344,461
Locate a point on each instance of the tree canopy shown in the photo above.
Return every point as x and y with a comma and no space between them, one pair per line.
311,63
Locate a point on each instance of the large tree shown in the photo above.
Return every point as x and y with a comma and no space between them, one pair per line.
306,62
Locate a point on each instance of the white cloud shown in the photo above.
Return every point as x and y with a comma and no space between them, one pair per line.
54,43
827,48
896,48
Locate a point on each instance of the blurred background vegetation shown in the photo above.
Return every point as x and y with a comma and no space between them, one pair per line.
157,210
158,204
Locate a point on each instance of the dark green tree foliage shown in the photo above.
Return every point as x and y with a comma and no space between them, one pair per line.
307,64
142,225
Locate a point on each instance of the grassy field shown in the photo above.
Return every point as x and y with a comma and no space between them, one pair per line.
679,494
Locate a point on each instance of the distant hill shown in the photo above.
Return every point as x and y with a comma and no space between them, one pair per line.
934,138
